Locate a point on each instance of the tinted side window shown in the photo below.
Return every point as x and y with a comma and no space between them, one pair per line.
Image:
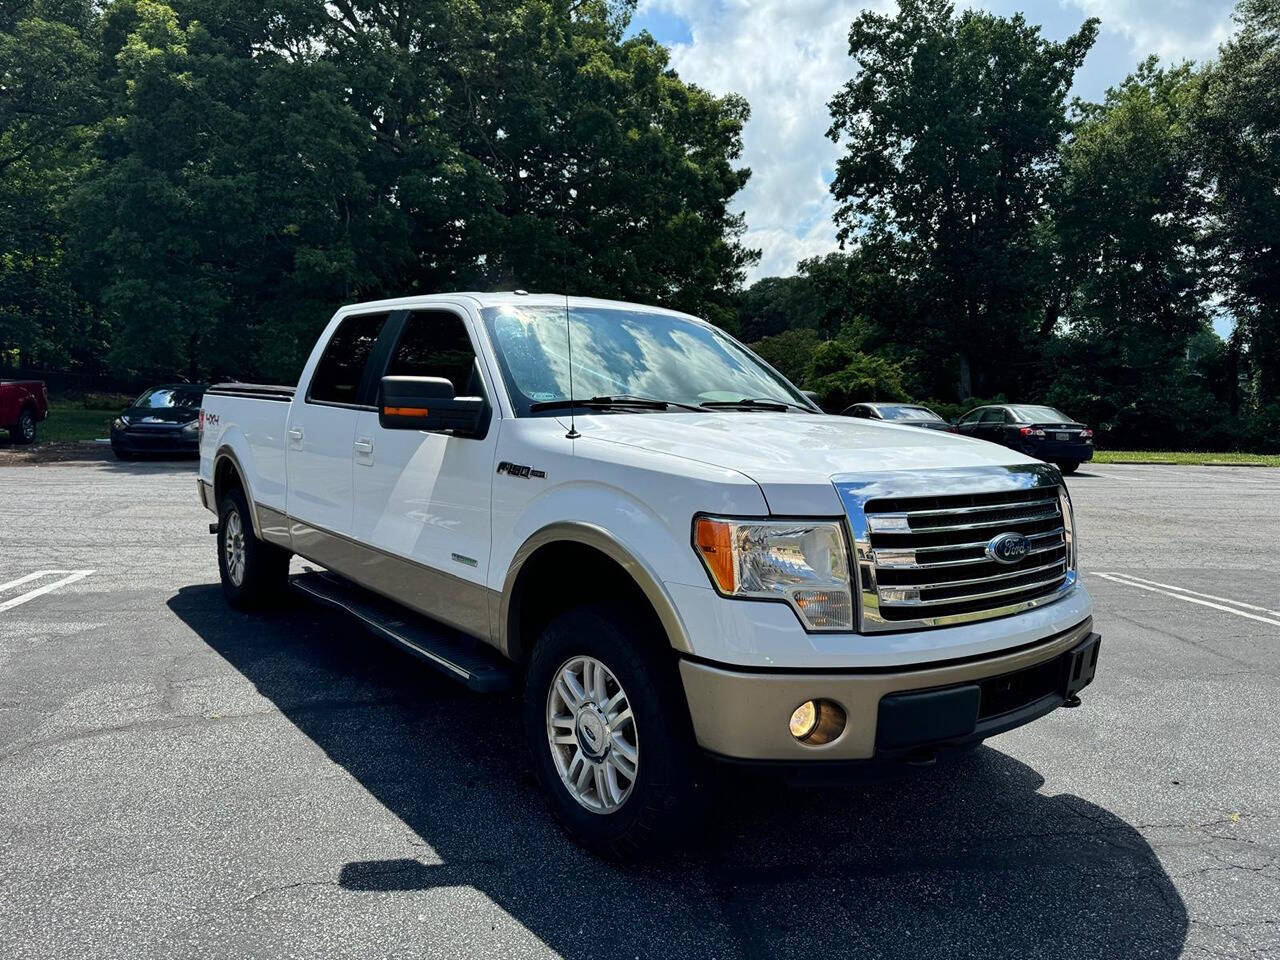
973,416
437,345
337,377
994,415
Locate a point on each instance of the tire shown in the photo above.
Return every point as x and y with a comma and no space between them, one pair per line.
254,574
1069,466
24,431
122,454
664,801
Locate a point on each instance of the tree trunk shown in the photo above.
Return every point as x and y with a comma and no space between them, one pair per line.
965,385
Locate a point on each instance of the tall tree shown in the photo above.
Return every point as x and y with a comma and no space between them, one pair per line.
1129,221
48,109
952,126
1240,137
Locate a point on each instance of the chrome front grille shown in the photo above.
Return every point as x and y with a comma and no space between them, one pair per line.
924,559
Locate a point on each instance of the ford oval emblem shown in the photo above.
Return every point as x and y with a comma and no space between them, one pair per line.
1008,548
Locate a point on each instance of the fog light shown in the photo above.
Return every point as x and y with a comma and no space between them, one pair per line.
804,719
816,722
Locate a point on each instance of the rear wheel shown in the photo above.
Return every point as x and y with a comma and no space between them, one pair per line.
24,431
609,735
253,573
1068,466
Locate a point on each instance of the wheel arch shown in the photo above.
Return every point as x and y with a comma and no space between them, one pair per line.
557,556
228,472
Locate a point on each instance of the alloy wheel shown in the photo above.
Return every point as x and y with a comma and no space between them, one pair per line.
592,734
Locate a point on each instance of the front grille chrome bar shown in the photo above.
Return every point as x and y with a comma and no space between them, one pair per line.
912,596
900,523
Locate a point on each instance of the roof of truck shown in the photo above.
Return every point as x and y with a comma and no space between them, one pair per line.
511,298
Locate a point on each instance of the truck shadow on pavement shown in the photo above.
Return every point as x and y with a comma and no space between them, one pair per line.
965,859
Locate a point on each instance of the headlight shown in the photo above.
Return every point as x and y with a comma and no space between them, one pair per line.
120,423
192,427
802,562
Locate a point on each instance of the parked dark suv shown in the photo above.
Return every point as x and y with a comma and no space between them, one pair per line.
1040,432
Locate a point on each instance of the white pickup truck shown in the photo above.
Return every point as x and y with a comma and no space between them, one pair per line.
676,555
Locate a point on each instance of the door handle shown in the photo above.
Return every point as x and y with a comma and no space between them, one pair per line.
364,446
295,434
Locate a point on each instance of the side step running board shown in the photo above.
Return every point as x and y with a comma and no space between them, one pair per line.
449,651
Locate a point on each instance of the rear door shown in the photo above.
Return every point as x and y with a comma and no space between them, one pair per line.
322,425
426,497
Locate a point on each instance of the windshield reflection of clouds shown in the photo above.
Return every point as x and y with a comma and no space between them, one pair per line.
623,352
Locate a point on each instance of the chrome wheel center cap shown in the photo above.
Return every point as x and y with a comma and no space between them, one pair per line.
593,735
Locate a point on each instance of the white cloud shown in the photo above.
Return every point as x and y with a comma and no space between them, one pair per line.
1174,29
788,57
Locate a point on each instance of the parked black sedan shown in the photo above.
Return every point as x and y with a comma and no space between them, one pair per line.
1040,432
164,420
907,414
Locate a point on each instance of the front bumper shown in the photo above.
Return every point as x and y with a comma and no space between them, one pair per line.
891,712
154,441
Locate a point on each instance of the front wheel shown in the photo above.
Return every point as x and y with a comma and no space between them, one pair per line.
609,735
1068,466
24,431
253,573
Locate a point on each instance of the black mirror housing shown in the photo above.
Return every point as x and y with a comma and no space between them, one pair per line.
428,403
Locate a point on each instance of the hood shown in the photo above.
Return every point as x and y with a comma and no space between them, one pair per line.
160,416
794,457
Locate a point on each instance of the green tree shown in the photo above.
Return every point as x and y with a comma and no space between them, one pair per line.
1239,134
1131,252
952,126
48,109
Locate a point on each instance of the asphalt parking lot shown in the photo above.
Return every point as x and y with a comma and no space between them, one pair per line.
180,780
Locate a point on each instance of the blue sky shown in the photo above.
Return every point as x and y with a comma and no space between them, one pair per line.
787,57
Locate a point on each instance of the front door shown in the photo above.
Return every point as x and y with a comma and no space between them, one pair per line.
322,426
425,497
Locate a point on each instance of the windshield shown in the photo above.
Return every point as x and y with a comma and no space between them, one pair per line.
625,353
1039,415
907,413
160,397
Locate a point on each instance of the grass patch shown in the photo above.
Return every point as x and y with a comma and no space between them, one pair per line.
1185,458
70,422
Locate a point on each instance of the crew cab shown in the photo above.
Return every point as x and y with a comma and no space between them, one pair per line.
672,553
23,404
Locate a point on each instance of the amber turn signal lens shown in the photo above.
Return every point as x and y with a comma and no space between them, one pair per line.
713,540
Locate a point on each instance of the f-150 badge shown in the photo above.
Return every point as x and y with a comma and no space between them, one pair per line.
520,470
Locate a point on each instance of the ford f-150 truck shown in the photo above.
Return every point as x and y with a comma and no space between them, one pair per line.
666,546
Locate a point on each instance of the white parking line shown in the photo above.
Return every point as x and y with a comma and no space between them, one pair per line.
1179,593
1197,593
73,576
28,578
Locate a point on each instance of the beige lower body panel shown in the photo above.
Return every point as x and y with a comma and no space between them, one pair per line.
745,715
440,596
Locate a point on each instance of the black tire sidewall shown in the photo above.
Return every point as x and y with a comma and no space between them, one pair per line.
265,566
20,433
664,802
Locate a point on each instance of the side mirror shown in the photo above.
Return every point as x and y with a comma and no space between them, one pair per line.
428,403
813,396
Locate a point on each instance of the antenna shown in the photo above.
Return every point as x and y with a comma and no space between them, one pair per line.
573,433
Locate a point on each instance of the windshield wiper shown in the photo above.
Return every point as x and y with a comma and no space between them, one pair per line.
622,401
755,403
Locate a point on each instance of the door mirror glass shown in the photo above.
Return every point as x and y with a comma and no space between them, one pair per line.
428,403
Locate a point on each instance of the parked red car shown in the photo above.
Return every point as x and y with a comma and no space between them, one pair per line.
23,404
